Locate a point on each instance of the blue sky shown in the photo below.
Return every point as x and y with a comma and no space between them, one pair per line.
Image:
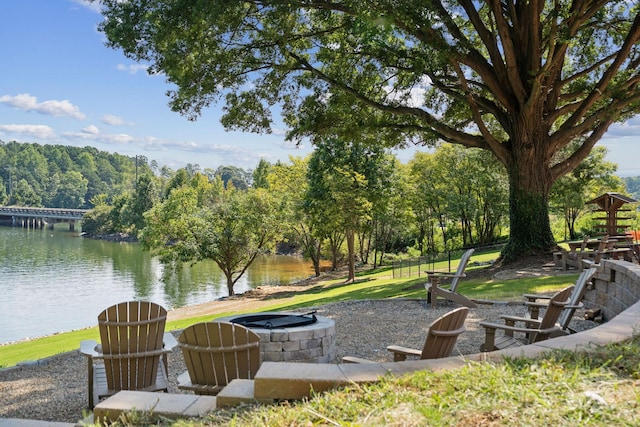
59,84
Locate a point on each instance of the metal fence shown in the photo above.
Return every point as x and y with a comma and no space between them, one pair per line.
418,266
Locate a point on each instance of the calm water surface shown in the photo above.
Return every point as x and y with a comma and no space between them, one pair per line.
54,280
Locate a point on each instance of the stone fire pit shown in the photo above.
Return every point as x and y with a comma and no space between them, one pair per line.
309,338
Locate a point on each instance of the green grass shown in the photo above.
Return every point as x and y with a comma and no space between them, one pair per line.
561,388
371,284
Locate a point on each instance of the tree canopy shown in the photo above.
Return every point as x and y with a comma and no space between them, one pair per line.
62,176
521,79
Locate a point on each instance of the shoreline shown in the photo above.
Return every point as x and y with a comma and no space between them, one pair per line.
253,300
57,388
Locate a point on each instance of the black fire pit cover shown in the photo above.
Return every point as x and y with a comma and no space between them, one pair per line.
275,321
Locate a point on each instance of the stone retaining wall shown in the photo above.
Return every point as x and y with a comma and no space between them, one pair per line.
616,288
314,343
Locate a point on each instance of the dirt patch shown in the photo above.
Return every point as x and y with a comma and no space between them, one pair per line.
252,300
256,299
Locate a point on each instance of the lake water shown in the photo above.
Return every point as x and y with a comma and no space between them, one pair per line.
54,280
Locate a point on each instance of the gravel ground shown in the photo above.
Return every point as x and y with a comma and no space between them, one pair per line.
57,391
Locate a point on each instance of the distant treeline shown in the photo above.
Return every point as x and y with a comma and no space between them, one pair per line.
63,176
633,186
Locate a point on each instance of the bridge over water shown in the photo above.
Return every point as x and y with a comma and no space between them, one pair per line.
18,216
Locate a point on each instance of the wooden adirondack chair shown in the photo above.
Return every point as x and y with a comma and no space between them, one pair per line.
568,258
435,291
576,258
441,338
575,301
216,353
133,350
534,329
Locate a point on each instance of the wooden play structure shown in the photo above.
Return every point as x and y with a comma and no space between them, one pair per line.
611,205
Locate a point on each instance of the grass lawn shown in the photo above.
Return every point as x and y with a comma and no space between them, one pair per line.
370,284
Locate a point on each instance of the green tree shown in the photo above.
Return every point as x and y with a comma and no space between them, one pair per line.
142,199
4,197
261,173
32,166
25,195
98,221
338,191
521,79
87,166
288,181
228,226
590,179
430,193
71,190
461,192
235,176
391,213
180,178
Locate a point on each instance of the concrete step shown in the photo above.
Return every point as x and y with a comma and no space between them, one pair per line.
17,422
160,405
294,381
239,391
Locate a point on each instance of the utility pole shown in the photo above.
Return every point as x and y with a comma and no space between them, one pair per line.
10,186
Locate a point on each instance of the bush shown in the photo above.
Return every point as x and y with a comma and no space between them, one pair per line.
97,221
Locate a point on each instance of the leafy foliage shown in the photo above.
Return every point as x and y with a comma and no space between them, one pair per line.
204,220
62,176
522,80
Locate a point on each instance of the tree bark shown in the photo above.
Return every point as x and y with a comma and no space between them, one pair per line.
230,283
352,256
529,186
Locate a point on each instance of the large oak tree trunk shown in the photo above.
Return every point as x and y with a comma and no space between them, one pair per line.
529,186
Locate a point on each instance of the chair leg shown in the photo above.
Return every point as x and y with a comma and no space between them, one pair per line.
90,377
434,291
489,340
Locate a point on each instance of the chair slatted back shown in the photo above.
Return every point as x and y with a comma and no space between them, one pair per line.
576,296
552,313
602,248
464,260
217,352
585,241
131,334
443,334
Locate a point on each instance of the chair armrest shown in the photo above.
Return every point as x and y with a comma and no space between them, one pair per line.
169,341
534,297
536,304
89,348
494,326
400,353
444,274
514,319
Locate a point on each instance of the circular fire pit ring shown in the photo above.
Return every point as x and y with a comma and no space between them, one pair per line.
275,320
291,337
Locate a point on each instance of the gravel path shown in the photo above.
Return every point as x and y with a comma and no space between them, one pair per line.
57,391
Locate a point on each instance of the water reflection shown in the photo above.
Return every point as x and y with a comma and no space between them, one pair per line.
56,281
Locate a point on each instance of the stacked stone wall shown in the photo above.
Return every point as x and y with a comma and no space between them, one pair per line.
615,288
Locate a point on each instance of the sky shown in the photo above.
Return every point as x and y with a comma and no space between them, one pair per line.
60,84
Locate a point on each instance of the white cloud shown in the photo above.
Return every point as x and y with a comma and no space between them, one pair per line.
27,102
112,120
93,133
630,128
95,6
413,97
38,131
92,130
133,68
